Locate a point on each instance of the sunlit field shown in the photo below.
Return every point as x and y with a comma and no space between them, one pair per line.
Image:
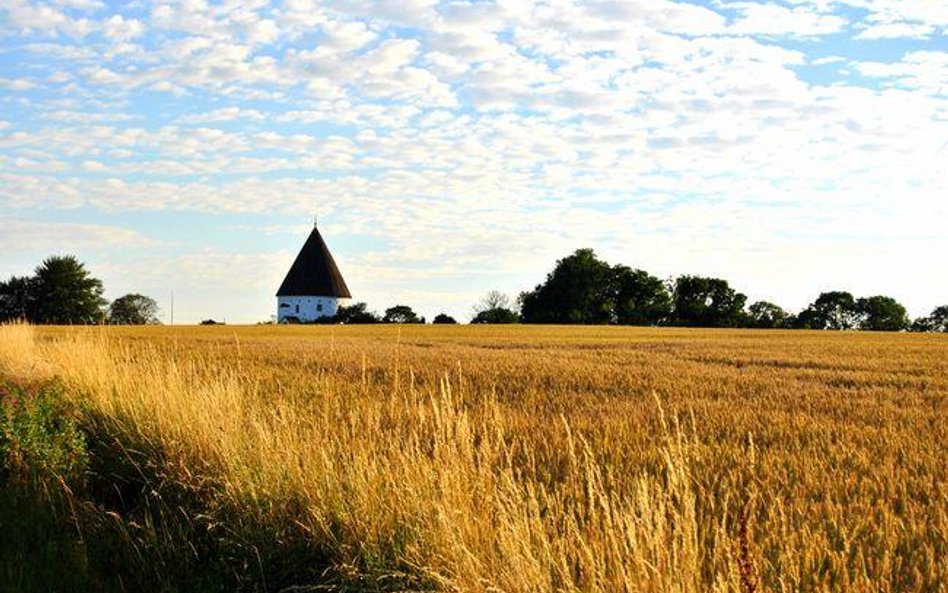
515,459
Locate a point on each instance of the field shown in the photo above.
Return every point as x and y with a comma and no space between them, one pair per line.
514,459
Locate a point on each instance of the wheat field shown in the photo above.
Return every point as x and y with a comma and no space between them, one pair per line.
514,458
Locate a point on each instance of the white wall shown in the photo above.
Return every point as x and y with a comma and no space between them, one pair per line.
306,308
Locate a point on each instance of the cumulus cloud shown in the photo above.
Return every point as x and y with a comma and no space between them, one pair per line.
917,11
119,28
225,114
921,70
827,60
677,137
774,19
38,236
17,84
27,17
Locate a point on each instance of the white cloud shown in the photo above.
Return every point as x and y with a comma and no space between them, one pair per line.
225,114
346,36
925,71
28,17
61,51
896,31
17,84
37,236
663,133
94,166
773,19
121,29
91,5
827,60
915,11
901,19
391,55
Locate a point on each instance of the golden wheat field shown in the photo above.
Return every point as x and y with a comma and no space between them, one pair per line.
536,459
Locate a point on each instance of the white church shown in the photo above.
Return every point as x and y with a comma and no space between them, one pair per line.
313,287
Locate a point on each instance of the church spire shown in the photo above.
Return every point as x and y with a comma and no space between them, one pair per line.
314,273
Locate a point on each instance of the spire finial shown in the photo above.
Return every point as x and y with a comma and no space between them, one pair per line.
315,221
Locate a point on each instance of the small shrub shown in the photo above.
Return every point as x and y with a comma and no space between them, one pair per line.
39,434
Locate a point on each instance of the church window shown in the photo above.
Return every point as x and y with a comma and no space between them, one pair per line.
297,307
319,306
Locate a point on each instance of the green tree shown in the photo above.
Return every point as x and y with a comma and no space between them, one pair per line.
17,298
936,322
639,298
495,307
578,290
881,313
401,314
355,314
443,319
133,309
496,315
766,315
707,302
66,293
830,310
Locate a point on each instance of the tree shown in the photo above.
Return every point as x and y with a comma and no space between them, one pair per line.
133,309
443,318
766,315
495,307
639,298
494,299
936,322
496,315
66,293
17,298
707,302
831,310
401,314
355,314
578,290
881,313
805,319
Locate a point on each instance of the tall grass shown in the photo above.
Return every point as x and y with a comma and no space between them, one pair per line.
374,461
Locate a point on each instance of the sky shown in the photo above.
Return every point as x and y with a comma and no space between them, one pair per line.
452,148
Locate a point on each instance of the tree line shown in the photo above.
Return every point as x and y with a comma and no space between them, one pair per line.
495,307
581,289
61,291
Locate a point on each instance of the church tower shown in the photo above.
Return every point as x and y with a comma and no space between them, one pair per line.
313,287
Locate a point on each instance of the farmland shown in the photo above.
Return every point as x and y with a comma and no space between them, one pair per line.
516,459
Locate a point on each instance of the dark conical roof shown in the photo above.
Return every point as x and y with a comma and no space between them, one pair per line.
314,273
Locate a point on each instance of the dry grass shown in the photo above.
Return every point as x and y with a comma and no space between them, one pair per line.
526,459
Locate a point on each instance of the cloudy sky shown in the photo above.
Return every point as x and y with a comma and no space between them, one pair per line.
449,148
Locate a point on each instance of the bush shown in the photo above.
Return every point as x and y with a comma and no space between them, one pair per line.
356,313
39,434
496,315
401,314
43,459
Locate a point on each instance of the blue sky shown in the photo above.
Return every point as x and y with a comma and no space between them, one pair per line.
451,148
